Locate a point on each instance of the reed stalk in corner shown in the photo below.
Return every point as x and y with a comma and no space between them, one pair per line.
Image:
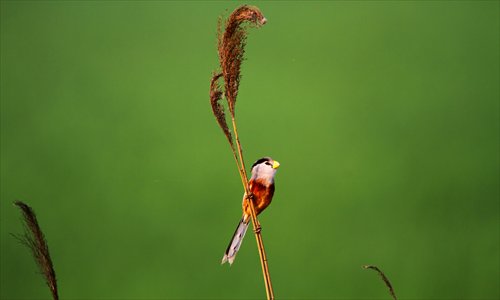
231,48
34,239
384,279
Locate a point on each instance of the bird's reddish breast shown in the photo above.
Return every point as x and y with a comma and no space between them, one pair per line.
263,194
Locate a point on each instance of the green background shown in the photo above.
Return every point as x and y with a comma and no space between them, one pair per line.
384,116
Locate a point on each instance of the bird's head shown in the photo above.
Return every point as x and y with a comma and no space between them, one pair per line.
265,169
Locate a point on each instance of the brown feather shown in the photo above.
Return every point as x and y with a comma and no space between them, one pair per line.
262,194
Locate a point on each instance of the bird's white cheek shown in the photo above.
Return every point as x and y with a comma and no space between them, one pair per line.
264,173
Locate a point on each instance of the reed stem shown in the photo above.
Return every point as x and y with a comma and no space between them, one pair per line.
262,252
255,221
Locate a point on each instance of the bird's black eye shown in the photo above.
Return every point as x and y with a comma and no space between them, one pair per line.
268,163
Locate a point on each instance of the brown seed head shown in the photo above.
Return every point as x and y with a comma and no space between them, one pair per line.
217,108
248,13
231,44
34,239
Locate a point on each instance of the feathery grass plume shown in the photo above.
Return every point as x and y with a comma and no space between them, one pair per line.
231,46
34,239
384,278
217,108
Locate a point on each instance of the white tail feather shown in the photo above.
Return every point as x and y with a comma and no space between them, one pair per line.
235,243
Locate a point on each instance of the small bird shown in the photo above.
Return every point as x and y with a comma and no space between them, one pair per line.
261,186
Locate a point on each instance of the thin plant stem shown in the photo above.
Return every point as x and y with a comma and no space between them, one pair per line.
244,180
243,172
384,279
255,221
262,252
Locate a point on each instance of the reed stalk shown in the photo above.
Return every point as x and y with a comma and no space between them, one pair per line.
257,228
384,279
34,239
231,48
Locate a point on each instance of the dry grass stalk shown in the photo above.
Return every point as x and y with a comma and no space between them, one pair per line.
384,278
231,48
262,251
34,239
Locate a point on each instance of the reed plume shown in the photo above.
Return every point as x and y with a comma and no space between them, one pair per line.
384,279
231,49
218,108
34,239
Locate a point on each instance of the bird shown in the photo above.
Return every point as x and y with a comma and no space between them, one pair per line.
261,187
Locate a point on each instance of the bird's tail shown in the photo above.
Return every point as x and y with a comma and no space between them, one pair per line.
235,243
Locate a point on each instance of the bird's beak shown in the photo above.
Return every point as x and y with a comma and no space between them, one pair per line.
276,164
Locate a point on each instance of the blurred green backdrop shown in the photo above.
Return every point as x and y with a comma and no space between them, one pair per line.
384,116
